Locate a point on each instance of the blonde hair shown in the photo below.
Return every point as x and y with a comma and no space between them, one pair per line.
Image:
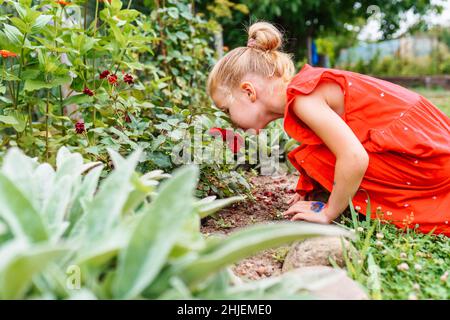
261,56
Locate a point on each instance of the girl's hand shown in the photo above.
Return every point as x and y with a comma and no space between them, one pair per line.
312,211
295,199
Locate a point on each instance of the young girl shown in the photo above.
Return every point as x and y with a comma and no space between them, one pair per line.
361,137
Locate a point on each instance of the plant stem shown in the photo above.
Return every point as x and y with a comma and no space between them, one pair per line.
46,124
22,62
30,116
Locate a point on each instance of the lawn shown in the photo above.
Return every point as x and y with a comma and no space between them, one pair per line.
440,97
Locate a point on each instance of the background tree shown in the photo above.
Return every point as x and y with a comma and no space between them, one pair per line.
303,20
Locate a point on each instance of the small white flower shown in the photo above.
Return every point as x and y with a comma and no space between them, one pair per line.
403,255
380,235
384,252
379,208
412,296
403,266
378,243
389,213
416,286
358,208
418,267
360,229
444,277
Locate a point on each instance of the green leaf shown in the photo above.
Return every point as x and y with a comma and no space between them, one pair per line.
13,34
18,212
19,264
84,193
374,278
40,23
20,24
104,211
245,243
155,234
208,208
8,120
78,99
33,85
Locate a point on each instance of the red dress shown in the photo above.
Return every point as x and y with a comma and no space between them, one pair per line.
407,139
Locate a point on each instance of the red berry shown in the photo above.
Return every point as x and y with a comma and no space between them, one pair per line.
79,127
104,74
128,78
88,91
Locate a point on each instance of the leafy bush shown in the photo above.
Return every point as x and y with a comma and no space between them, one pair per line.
123,238
437,62
112,78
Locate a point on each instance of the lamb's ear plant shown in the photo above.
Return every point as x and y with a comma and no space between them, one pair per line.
64,234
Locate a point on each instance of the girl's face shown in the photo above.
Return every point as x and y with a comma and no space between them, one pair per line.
250,105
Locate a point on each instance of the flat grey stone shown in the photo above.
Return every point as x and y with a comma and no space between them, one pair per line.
314,252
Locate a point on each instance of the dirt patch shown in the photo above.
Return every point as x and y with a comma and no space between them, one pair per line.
271,195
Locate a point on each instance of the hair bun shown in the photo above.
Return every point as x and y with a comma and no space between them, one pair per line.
264,36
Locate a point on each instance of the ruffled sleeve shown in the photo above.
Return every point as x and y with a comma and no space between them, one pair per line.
304,83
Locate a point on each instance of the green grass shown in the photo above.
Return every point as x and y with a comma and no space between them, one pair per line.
395,264
438,96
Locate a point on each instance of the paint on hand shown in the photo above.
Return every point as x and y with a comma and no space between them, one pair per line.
317,206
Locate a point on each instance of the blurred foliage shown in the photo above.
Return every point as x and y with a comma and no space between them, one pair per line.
338,20
52,92
64,234
436,63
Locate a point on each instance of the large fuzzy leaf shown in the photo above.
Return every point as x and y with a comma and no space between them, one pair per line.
249,241
104,211
207,208
155,234
19,213
19,263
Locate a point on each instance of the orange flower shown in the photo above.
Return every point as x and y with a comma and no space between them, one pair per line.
63,3
7,54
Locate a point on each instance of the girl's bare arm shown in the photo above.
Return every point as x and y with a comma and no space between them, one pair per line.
351,158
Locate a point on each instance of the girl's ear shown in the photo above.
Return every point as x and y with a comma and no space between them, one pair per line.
249,90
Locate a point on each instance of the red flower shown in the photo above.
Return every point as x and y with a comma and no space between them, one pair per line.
88,91
79,127
127,118
112,79
7,54
104,74
128,78
234,144
63,3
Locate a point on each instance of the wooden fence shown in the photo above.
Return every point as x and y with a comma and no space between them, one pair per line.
422,81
